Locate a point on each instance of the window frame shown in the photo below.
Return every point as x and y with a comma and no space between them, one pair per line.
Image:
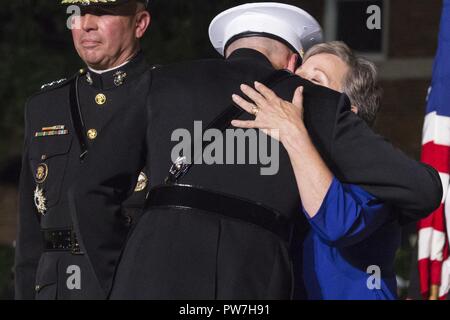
330,28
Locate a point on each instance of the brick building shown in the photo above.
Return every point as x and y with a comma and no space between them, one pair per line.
405,53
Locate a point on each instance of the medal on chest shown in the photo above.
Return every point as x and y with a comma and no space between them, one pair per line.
40,200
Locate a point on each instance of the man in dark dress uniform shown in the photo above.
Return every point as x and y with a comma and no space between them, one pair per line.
63,122
222,231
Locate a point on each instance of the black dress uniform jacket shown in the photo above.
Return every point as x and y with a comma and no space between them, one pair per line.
51,163
186,253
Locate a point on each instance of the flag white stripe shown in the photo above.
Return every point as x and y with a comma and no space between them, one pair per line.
438,239
431,243
447,214
445,278
445,179
436,129
425,243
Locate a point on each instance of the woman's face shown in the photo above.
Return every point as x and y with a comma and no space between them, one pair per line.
325,70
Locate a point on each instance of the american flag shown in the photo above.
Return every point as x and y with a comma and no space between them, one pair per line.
434,261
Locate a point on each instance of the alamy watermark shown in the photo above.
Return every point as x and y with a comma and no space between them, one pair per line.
73,22
374,279
74,278
232,147
374,20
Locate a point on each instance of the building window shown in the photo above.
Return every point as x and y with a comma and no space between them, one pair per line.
347,20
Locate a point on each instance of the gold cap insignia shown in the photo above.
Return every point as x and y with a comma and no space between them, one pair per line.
87,2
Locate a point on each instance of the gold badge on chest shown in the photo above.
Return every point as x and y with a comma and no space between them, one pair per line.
40,200
41,173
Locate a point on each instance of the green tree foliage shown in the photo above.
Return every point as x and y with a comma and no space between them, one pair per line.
35,48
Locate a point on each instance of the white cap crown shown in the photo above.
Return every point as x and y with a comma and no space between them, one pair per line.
289,24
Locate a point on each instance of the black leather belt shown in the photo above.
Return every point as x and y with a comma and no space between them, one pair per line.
61,241
182,196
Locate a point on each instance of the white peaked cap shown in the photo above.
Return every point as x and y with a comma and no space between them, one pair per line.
289,24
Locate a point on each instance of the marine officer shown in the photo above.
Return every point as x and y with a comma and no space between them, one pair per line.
63,121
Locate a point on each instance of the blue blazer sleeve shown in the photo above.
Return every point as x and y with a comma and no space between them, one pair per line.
348,215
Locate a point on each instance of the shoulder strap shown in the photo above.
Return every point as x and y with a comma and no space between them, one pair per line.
77,118
181,167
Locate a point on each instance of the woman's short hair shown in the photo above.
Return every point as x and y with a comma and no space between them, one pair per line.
361,82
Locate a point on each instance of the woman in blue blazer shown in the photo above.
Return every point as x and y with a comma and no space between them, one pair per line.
350,250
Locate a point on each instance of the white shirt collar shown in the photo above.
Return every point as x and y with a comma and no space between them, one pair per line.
105,71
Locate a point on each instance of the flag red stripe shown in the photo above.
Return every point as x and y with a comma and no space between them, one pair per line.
436,220
437,156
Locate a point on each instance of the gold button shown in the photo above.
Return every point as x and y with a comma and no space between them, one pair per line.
92,134
100,99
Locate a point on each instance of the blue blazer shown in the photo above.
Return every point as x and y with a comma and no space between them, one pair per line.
349,252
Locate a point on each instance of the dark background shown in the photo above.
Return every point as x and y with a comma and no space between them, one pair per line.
36,48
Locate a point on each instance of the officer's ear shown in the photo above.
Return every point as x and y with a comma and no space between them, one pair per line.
293,63
143,20
355,109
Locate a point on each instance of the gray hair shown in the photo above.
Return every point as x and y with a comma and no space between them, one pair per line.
361,82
